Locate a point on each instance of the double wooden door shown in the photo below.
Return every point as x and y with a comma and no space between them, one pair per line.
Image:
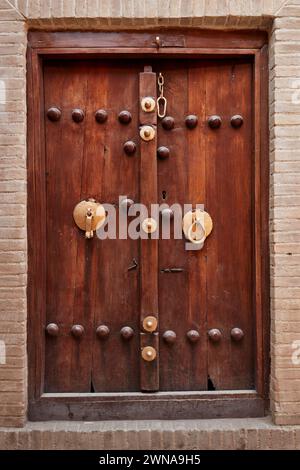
203,299
113,316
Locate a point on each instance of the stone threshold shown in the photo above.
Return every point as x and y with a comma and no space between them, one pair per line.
231,434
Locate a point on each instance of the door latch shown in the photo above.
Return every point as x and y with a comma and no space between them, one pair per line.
89,215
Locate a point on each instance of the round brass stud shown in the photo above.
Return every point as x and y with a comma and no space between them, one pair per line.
124,117
102,332
101,116
237,121
168,123
214,122
193,336
147,133
54,114
191,121
77,331
149,225
237,334
126,332
169,337
150,323
52,329
214,335
163,152
129,147
148,353
77,115
148,104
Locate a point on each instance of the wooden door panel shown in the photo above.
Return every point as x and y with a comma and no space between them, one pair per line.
88,281
183,364
68,255
213,167
229,199
116,301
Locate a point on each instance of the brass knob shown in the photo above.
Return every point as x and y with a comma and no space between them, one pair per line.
163,153
169,336
77,331
147,133
77,115
149,225
54,114
237,121
102,332
193,336
101,116
150,323
148,104
168,123
214,122
148,353
215,335
52,329
125,117
127,332
125,203
237,334
191,121
129,147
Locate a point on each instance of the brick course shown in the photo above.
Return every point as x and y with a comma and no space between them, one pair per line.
282,18
242,434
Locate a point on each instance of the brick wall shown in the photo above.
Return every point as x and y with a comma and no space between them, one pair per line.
285,211
12,216
16,16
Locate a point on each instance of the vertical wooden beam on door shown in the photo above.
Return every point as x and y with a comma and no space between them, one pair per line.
149,370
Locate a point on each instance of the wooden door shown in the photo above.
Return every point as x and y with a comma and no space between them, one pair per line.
90,283
91,299
213,166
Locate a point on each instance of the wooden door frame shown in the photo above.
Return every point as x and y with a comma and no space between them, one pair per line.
162,405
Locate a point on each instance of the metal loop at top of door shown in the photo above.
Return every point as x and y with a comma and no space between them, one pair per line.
161,100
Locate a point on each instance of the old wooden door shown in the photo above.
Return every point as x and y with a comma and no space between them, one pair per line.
103,297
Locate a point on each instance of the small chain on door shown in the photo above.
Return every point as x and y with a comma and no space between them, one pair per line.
161,100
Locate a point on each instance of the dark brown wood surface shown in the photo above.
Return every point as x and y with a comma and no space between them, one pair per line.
87,282
92,285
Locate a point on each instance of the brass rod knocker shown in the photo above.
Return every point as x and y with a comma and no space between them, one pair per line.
161,100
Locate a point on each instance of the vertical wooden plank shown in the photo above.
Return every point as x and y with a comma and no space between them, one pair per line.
149,371
230,195
68,359
181,180
115,289
261,219
175,359
36,229
197,301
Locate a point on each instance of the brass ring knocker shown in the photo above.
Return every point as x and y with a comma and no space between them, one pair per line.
197,225
192,232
